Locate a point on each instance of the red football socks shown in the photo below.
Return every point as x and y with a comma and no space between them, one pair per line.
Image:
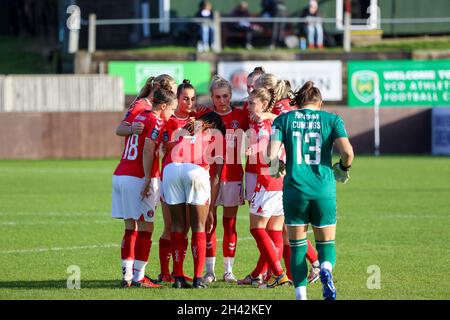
165,251
287,260
311,254
128,245
143,245
211,241
198,246
229,237
267,250
177,245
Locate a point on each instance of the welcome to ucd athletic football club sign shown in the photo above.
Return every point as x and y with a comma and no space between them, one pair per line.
402,83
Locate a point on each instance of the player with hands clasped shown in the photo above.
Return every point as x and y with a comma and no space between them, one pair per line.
309,190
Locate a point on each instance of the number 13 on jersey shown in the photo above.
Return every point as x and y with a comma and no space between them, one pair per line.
308,138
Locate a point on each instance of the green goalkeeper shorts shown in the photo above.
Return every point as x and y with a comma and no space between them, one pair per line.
320,213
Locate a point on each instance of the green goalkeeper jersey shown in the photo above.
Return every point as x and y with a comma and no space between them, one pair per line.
308,137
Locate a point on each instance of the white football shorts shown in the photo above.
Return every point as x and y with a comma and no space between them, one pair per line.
266,203
250,185
230,194
186,183
126,198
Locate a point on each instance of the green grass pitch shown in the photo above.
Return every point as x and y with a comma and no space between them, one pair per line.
393,214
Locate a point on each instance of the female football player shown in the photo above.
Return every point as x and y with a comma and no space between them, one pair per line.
266,210
138,171
231,193
187,181
309,191
282,92
186,102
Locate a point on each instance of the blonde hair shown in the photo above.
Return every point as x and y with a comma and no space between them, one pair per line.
219,82
264,95
307,94
163,81
281,88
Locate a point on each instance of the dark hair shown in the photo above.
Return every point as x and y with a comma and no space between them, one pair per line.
185,85
161,96
306,94
210,120
163,81
256,72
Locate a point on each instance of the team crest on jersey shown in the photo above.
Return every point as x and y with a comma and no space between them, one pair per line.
165,136
155,134
140,117
150,213
234,124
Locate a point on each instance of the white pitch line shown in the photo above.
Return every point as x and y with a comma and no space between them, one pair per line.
30,223
39,250
55,214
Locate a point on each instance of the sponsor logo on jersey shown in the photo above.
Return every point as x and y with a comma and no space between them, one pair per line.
155,134
165,136
140,117
234,124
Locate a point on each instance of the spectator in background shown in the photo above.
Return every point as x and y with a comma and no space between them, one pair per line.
275,9
206,33
241,11
313,26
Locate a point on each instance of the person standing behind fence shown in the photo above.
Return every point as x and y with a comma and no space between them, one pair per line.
313,25
309,190
205,31
275,9
241,11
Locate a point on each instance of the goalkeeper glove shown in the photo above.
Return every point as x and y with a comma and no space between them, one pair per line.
341,173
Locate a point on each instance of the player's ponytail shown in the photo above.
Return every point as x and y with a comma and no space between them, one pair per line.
163,81
281,88
307,94
145,91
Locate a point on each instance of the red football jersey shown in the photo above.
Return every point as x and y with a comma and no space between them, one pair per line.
136,108
263,129
131,162
172,126
281,107
251,165
233,120
200,149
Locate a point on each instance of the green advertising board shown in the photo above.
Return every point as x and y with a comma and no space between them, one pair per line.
402,83
135,73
